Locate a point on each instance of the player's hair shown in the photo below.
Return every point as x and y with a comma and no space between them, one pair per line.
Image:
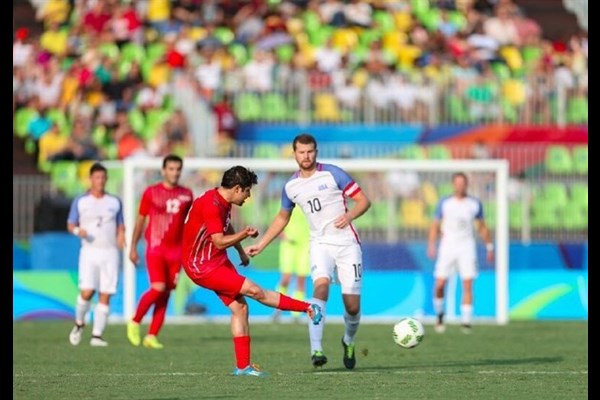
97,167
461,175
239,175
304,138
170,158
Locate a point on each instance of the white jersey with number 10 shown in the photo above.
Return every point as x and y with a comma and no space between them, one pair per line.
322,198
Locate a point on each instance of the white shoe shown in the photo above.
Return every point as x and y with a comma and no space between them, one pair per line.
75,335
97,341
439,328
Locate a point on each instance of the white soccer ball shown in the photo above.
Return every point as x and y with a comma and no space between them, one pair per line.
408,332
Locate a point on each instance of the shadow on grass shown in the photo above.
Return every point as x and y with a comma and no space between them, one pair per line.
451,364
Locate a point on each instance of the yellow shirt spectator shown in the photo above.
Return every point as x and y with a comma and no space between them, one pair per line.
158,10
55,41
159,74
51,143
69,90
54,11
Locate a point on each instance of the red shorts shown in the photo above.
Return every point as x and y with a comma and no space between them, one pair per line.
225,281
163,266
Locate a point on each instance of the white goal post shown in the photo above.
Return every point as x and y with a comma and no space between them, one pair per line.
499,169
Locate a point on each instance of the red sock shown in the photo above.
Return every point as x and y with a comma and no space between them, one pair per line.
145,303
158,315
286,303
241,345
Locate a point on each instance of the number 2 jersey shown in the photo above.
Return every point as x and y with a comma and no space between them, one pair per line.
166,209
322,198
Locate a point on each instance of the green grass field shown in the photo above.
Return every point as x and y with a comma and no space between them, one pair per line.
523,360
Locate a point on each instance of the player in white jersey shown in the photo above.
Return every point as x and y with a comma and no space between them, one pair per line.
456,217
96,217
321,190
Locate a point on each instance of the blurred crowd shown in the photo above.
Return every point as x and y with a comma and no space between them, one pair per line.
97,83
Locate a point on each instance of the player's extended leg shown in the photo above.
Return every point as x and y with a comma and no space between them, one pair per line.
282,287
278,300
240,331
351,322
299,293
438,304
466,307
315,331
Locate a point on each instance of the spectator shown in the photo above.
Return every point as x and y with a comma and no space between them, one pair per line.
80,146
52,143
226,126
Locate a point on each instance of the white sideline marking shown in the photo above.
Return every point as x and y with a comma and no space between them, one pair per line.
492,372
533,372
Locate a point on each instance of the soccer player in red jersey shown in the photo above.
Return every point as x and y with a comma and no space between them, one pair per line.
165,205
207,233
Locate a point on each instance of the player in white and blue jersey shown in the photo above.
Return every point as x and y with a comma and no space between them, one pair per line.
321,191
96,217
455,218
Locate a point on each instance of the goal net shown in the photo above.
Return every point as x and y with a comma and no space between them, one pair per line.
398,275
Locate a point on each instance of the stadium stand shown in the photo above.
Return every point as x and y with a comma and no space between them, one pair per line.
109,67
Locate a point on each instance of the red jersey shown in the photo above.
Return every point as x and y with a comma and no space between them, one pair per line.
210,213
166,209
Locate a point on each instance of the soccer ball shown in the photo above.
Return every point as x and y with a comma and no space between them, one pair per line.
408,332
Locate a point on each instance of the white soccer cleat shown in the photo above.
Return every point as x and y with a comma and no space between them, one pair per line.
75,335
439,328
97,341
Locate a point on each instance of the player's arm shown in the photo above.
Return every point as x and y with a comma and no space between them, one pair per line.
223,241
120,227
140,223
121,236
73,220
138,229
276,227
362,204
245,260
484,232
352,190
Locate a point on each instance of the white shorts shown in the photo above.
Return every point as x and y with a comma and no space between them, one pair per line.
451,258
325,259
99,269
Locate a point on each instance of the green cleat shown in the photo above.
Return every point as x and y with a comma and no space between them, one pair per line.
133,333
151,342
318,359
349,358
